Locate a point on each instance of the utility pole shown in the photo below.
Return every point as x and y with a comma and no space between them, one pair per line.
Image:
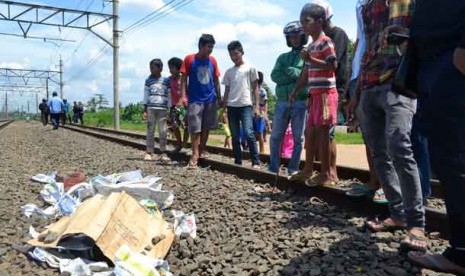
6,104
28,111
37,102
61,77
115,66
46,87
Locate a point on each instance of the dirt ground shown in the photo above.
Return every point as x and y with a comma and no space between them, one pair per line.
347,155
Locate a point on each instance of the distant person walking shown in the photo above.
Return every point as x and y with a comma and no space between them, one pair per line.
44,112
64,115
200,82
80,113
56,106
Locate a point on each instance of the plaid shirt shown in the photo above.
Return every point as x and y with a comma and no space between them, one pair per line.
379,64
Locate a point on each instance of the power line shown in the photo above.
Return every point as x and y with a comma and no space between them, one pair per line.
103,50
133,25
161,15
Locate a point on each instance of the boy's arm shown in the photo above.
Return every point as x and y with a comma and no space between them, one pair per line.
183,89
301,82
226,95
216,81
257,97
325,64
283,73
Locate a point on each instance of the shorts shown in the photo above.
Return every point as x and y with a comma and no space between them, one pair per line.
201,116
174,117
259,125
323,109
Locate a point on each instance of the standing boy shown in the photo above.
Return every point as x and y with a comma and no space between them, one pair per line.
176,123
56,107
259,123
241,82
156,103
321,63
200,82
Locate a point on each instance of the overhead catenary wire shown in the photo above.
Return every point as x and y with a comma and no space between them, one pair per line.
154,13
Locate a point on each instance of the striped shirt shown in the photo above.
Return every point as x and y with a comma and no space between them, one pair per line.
379,64
321,80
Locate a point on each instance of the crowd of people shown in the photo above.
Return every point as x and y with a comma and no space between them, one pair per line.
405,87
57,109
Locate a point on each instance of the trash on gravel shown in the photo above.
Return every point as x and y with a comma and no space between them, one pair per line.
184,224
105,220
70,178
52,192
67,205
126,176
29,209
80,267
44,178
130,263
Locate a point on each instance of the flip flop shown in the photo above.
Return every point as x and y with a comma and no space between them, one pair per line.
435,262
192,166
359,190
407,243
379,197
311,181
381,226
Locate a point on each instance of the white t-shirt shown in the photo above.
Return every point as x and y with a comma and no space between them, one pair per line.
240,79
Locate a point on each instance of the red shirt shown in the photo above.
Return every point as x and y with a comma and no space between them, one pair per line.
321,80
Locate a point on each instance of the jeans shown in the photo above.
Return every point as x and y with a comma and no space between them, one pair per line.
421,155
297,115
237,116
156,118
387,120
55,118
442,102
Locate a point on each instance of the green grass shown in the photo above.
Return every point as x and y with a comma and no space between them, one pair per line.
105,119
349,138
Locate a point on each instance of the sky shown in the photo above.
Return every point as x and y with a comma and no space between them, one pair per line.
88,61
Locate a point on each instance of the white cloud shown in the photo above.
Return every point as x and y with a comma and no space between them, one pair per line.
243,8
152,4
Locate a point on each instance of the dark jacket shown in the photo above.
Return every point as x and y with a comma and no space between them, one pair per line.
438,26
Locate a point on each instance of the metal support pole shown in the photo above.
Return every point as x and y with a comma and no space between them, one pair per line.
37,102
61,77
46,87
6,104
115,66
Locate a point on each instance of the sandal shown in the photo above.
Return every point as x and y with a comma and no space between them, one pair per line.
359,190
382,226
313,181
192,165
435,262
379,197
409,242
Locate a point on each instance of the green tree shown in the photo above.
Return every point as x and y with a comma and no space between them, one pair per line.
92,104
271,100
101,101
132,112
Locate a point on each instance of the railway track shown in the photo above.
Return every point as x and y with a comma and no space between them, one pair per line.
436,220
5,123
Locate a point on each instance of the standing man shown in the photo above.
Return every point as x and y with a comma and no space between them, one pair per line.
438,32
44,111
241,87
200,82
285,73
387,120
56,107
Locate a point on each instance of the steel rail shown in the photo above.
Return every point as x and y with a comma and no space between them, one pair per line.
436,220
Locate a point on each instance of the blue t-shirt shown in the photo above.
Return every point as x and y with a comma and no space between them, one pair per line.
201,74
55,104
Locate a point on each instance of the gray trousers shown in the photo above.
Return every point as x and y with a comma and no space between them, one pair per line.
387,123
156,118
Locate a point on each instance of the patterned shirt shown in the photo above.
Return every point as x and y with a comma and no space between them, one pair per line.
321,80
157,92
380,64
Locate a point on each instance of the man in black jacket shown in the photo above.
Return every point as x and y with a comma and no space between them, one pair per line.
438,31
44,112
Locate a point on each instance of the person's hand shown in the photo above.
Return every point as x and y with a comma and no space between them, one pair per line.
292,98
144,116
180,102
304,54
220,103
459,59
351,107
256,111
